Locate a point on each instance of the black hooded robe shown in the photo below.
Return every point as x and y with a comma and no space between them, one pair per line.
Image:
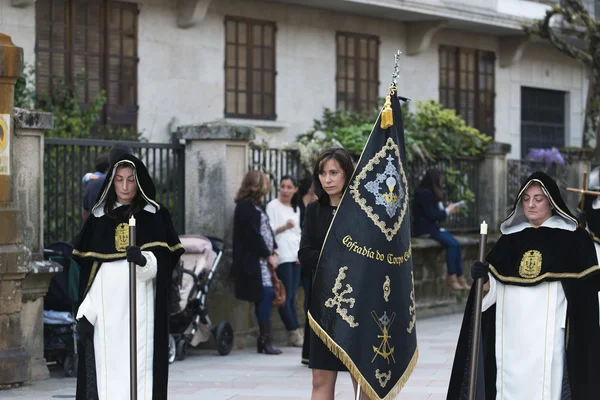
102,240
536,258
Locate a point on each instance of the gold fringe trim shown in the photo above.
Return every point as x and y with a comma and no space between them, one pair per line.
353,369
566,275
119,255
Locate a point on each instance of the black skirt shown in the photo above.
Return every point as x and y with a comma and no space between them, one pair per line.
321,357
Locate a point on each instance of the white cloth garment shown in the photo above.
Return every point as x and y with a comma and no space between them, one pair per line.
288,241
106,306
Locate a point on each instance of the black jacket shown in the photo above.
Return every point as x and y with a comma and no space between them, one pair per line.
248,248
426,213
317,219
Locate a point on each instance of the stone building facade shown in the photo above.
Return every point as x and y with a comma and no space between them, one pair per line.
170,63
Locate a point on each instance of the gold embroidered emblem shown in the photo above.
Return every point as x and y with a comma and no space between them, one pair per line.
386,289
531,264
394,176
383,378
122,237
411,309
384,350
338,299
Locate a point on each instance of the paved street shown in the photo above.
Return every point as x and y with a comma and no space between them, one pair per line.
245,375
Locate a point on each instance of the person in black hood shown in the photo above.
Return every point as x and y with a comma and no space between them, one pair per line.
540,327
103,252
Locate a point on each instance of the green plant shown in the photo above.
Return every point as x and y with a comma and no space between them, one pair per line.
72,119
432,133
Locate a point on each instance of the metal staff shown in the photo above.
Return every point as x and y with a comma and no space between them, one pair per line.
477,321
132,318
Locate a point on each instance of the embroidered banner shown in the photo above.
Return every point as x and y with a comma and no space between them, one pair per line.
363,303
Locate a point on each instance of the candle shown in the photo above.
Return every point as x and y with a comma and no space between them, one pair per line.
132,221
483,228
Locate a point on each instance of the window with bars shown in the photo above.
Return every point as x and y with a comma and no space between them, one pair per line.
467,85
249,68
92,40
357,77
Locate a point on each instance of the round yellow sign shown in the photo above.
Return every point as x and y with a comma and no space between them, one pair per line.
3,135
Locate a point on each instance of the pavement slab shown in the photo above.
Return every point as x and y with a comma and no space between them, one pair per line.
246,375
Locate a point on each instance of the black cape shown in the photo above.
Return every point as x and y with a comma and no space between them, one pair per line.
101,239
362,301
527,258
592,217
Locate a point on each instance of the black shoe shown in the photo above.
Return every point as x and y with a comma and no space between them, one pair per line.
264,343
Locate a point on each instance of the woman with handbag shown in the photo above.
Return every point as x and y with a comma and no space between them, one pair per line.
284,215
255,255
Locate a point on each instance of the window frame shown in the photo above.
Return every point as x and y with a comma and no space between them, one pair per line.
341,94
126,115
250,69
484,88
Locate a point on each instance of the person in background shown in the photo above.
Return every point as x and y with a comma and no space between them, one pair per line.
284,215
428,211
307,195
93,188
255,254
102,165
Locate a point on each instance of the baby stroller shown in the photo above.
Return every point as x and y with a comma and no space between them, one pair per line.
59,323
190,324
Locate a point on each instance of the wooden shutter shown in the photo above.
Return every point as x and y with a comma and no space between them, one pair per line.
52,44
121,63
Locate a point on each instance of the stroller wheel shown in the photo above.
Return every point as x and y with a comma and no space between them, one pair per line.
224,337
70,364
172,349
182,345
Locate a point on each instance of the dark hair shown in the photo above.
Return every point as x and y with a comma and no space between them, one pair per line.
304,186
117,151
255,186
432,181
295,183
102,163
138,203
343,158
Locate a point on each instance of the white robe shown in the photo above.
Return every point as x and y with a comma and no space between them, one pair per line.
106,306
530,332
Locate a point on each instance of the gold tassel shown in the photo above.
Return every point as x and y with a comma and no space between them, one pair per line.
387,118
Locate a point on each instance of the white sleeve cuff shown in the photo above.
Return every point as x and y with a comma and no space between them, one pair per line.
86,309
148,271
490,298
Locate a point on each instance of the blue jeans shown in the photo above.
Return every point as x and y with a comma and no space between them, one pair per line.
289,274
453,252
262,308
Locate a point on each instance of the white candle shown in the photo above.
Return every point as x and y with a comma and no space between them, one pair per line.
483,228
132,221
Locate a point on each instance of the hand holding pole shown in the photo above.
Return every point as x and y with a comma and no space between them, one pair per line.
132,318
477,317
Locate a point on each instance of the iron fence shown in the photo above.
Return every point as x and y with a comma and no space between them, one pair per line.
276,163
463,172
67,160
461,175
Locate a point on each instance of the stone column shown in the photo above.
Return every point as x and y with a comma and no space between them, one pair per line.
14,257
28,174
491,198
578,160
216,160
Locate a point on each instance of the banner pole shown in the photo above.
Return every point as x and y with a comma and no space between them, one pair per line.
477,317
132,318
